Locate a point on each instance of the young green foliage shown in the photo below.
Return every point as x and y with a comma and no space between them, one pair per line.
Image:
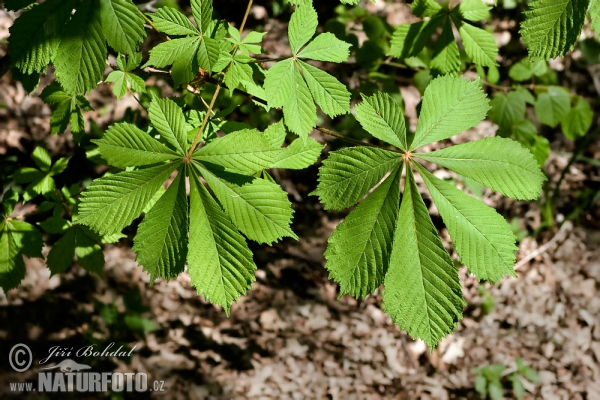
40,180
198,46
201,232
123,79
377,243
295,86
409,39
74,42
67,109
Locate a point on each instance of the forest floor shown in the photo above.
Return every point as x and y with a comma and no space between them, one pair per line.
290,337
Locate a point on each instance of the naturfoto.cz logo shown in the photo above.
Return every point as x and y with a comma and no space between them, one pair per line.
71,376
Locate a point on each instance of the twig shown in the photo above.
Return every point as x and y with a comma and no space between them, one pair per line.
149,21
560,235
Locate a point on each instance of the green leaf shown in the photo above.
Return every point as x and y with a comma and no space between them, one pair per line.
259,209
525,132
171,21
451,105
425,8
89,253
552,106
446,55
329,93
348,174
279,83
12,267
245,152
382,117
422,293
168,119
124,145
300,154
41,158
219,261
166,53
326,47
120,83
60,257
185,67
80,58
551,27
275,134
481,236
479,45
122,25
578,120
473,10
299,112
161,240
202,11
27,238
302,27
358,251
498,163
526,69
517,386
595,16
409,39
208,53
110,203
507,109
55,225
35,35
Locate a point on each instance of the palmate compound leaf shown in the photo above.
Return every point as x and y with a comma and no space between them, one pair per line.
219,261
498,163
481,236
111,203
450,105
161,239
551,27
358,251
422,292
258,208
292,84
199,48
348,174
382,117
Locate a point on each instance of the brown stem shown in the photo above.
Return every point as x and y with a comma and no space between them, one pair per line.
246,16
